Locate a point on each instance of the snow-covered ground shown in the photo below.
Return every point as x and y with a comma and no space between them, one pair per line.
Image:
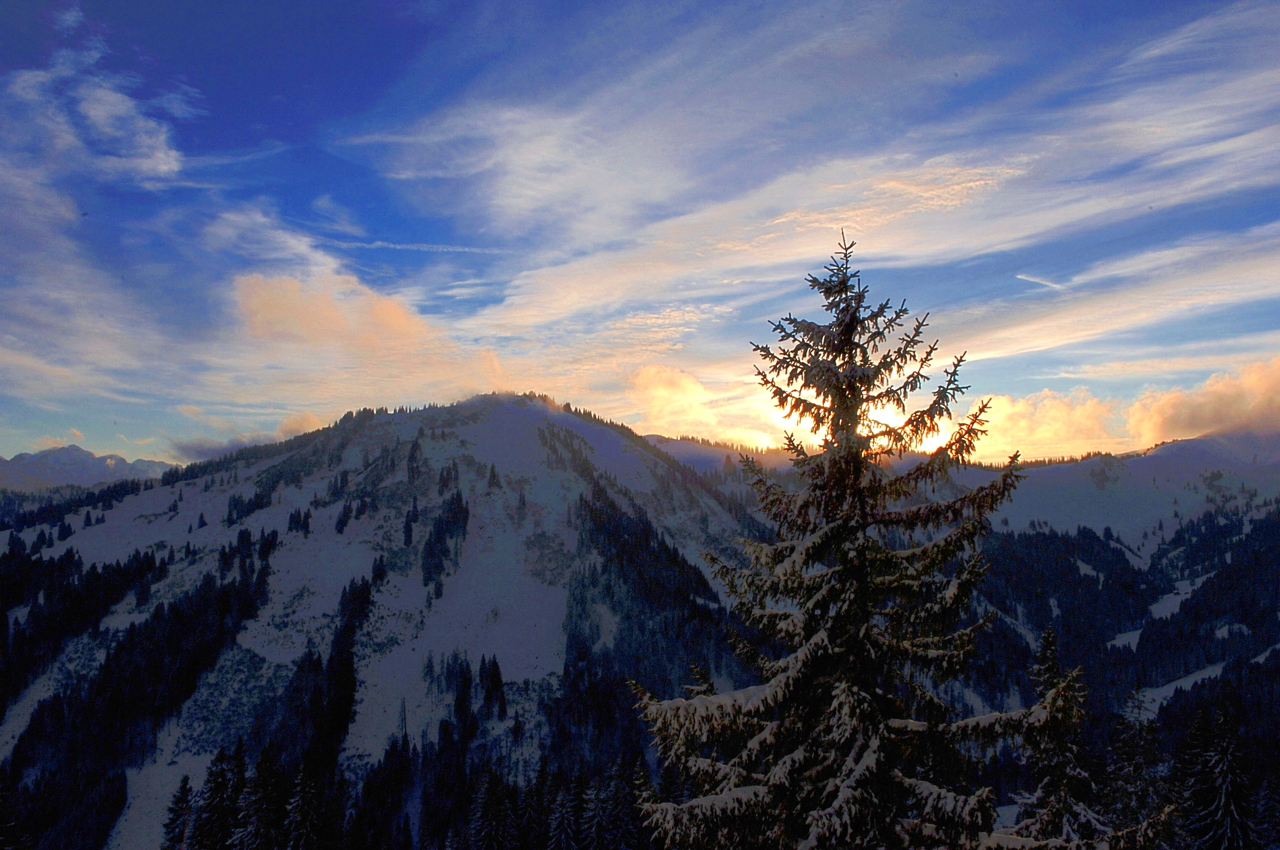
1153,698
1141,498
1166,606
1129,639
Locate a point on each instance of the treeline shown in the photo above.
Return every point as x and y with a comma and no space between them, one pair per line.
253,572
239,507
15,502
102,499
247,456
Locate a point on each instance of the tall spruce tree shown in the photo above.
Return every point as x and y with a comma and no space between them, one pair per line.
257,826
11,834
1061,805
177,825
562,821
1137,788
302,826
1266,807
845,743
1216,806
215,817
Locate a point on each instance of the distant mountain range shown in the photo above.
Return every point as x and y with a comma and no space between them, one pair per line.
72,465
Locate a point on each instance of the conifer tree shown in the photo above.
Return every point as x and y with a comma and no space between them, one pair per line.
178,824
490,816
1059,808
562,821
479,823
257,820
619,807
302,823
11,834
1216,805
215,817
1266,807
1136,789
532,816
594,825
844,743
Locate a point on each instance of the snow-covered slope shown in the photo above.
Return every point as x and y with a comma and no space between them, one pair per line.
1178,514
521,466
1141,498
712,457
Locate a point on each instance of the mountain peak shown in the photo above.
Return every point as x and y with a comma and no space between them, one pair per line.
72,464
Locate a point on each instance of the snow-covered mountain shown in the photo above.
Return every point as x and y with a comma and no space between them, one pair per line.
531,476
72,465
509,532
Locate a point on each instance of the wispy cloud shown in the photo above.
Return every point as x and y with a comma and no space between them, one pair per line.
1083,166
428,247
1197,275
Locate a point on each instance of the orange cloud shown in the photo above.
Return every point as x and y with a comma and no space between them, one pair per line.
672,401
299,423
326,341
330,310
51,442
1050,424
1247,399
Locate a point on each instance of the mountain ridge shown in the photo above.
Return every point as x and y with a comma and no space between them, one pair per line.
72,465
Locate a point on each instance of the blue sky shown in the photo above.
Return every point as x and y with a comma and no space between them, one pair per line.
227,222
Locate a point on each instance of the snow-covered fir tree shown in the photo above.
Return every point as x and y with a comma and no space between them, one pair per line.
562,821
11,836
866,592
215,817
593,832
177,825
1266,808
1060,807
1216,805
1135,768
621,832
254,829
1137,787
302,823
491,827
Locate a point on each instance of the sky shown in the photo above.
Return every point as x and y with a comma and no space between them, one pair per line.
226,223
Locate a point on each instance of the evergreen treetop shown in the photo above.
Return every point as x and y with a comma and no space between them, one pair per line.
845,743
